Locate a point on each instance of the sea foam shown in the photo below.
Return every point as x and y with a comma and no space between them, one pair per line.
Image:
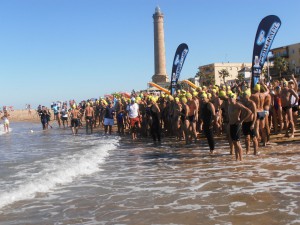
58,171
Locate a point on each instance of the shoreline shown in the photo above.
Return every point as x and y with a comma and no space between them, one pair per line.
24,116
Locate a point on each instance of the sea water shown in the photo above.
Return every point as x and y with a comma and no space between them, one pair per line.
53,177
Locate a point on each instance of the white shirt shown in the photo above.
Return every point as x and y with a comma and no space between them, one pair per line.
133,110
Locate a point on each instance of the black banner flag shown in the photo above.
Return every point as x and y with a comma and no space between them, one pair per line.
178,61
265,35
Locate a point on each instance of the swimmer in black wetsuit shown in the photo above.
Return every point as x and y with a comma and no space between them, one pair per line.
155,126
207,116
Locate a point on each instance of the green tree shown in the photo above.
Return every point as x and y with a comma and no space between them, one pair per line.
223,74
281,66
210,79
240,77
201,75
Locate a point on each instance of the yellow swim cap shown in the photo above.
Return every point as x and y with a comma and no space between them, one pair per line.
203,95
74,106
247,92
153,99
188,95
184,100
195,93
233,96
171,98
208,95
222,94
176,99
256,87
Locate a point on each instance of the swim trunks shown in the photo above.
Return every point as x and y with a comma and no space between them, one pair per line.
133,121
286,108
246,128
108,122
74,122
295,108
235,132
90,118
191,118
261,115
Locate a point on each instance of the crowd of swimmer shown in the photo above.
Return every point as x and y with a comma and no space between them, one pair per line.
210,111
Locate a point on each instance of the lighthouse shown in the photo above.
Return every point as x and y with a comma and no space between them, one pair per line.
160,73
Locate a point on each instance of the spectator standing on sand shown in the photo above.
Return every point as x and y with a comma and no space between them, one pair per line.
29,109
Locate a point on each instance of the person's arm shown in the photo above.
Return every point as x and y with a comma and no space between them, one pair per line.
295,94
213,111
254,111
295,83
242,107
266,88
197,111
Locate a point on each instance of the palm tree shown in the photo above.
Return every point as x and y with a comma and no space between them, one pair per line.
223,74
281,65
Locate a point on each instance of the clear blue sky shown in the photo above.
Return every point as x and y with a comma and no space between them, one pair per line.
78,49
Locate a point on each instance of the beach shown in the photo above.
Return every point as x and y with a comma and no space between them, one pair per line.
53,177
24,116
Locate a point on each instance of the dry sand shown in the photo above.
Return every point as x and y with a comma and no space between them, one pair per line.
23,116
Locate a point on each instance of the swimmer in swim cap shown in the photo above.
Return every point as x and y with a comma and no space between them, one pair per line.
249,123
89,117
256,88
222,94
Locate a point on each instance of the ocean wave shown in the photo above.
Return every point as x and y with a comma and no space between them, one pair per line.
58,171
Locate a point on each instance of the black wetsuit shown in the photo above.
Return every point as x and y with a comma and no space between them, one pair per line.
155,126
207,118
44,119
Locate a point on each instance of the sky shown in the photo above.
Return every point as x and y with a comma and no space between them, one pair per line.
54,50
